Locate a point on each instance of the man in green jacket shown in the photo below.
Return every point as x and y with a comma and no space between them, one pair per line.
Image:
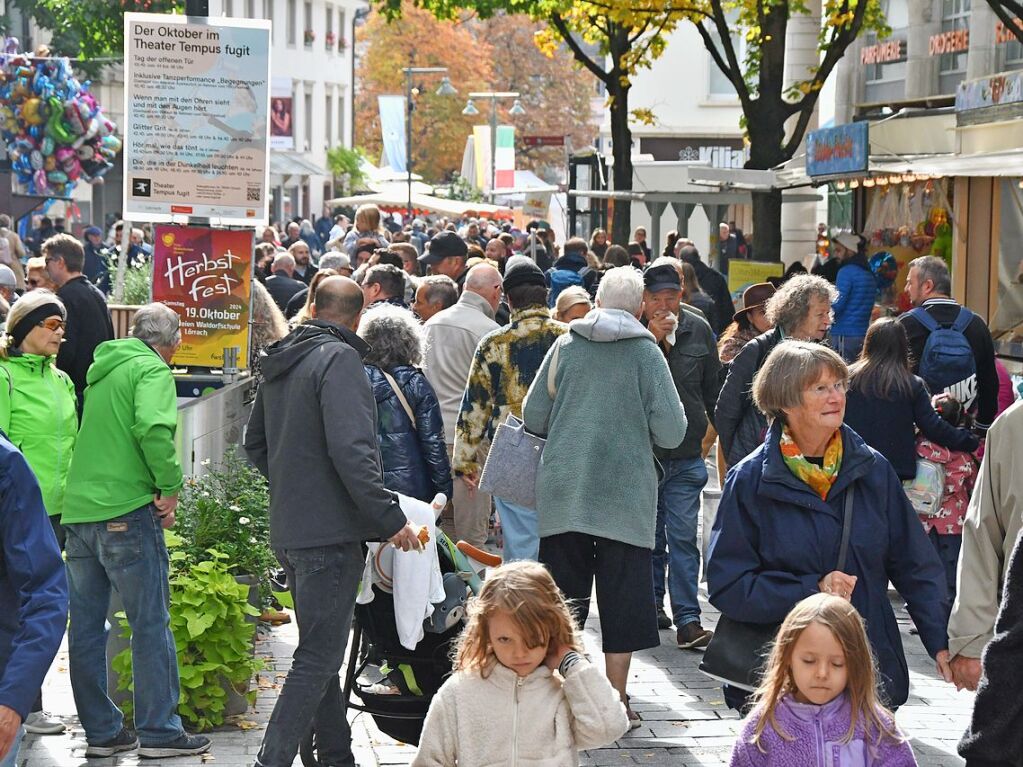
121,494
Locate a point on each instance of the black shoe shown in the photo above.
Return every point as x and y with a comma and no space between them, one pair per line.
693,636
663,621
125,740
184,745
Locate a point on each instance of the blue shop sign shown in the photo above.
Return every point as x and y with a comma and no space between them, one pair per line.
840,150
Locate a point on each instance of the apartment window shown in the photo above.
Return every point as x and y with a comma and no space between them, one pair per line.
897,15
270,16
307,113
341,31
329,138
341,116
330,31
307,15
250,9
719,87
229,7
291,20
955,15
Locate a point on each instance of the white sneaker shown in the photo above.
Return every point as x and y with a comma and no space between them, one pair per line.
41,723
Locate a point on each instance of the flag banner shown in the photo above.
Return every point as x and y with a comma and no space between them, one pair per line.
392,126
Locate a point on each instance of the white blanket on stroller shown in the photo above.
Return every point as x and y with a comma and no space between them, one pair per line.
413,577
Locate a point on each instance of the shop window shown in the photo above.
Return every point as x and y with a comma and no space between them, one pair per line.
1007,324
955,15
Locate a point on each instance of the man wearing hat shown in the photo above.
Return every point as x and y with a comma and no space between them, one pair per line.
446,254
687,342
857,290
503,367
96,256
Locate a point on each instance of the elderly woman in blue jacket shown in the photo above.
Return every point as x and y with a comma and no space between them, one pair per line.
778,531
410,430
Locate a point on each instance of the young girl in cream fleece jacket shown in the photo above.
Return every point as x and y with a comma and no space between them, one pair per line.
522,692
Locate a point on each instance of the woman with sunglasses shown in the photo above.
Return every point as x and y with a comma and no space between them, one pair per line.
37,413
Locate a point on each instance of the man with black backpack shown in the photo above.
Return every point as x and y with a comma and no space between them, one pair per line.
951,347
571,269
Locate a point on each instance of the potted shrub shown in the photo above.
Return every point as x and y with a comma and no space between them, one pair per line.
227,509
310,37
330,40
211,621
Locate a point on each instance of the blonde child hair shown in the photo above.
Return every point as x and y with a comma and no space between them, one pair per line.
846,625
529,595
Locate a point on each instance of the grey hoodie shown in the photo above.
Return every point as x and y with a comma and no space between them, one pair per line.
608,325
313,434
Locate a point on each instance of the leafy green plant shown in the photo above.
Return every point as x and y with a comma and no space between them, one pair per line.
227,509
346,164
138,279
212,636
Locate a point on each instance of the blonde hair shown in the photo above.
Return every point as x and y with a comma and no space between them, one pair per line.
568,298
370,216
21,308
531,598
845,624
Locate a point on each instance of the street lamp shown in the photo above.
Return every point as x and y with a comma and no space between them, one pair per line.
515,111
445,89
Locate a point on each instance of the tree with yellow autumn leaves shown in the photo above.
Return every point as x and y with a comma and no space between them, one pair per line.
612,39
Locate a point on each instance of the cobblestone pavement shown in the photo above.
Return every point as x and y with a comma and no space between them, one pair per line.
685,720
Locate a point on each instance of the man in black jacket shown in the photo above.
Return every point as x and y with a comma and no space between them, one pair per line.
688,344
928,286
713,284
315,409
281,286
88,318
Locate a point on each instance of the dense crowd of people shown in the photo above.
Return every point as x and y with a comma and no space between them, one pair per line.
386,360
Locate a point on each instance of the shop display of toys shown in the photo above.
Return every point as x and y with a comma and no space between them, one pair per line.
55,131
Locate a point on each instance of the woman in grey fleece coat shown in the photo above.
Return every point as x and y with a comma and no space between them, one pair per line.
596,487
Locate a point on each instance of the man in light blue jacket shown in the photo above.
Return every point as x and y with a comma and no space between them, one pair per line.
596,487
857,290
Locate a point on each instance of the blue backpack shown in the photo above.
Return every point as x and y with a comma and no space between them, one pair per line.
948,358
564,278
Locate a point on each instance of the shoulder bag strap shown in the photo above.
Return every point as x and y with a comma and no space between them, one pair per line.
846,527
401,397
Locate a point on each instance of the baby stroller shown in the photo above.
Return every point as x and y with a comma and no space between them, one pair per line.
396,685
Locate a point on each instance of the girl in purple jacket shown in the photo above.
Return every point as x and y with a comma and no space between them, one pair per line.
817,705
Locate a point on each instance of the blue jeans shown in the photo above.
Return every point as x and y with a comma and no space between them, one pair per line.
848,347
678,511
323,581
127,554
12,756
521,529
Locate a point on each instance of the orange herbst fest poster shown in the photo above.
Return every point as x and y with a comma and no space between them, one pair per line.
205,275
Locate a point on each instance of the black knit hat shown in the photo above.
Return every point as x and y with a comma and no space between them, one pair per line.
521,270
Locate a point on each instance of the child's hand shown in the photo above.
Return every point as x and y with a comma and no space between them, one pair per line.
555,654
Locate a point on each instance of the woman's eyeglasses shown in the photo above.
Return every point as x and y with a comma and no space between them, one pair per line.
53,324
